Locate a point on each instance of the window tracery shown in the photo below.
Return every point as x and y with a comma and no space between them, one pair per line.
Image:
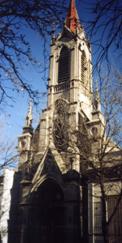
84,68
60,128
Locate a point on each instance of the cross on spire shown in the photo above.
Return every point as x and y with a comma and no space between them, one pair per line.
72,18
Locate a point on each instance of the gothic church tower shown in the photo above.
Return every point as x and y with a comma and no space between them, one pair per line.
69,91
46,200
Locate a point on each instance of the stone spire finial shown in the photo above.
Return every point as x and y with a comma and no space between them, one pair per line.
72,19
96,100
28,120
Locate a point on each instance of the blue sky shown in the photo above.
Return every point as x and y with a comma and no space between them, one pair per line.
12,115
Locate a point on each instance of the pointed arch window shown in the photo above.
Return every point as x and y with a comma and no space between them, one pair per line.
83,67
64,65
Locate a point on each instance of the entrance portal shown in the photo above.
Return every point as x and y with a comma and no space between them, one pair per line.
46,214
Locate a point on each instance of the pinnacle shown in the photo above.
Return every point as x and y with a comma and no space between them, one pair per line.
29,115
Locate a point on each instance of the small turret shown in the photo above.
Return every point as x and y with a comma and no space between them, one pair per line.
28,120
96,101
24,141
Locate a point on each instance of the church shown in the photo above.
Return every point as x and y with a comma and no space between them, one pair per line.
56,195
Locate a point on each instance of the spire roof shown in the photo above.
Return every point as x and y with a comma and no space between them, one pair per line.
72,19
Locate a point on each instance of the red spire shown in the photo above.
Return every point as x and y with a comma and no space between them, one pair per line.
72,19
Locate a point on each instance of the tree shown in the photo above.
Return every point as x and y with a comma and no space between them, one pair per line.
8,155
8,151
19,16
104,162
15,50
104,30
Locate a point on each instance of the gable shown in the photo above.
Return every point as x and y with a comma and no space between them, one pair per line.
48,168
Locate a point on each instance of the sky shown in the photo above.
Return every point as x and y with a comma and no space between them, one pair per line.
12,116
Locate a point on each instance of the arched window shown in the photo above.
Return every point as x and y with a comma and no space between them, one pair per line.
64,65
83,67
61,125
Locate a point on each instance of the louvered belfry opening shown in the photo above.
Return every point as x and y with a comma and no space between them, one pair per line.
83,67
64,65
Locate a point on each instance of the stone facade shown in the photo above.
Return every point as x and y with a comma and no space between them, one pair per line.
51,198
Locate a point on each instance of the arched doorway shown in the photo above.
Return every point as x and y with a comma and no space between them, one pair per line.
46,214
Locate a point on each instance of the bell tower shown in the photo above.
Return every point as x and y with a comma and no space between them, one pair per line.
69,89
70,64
